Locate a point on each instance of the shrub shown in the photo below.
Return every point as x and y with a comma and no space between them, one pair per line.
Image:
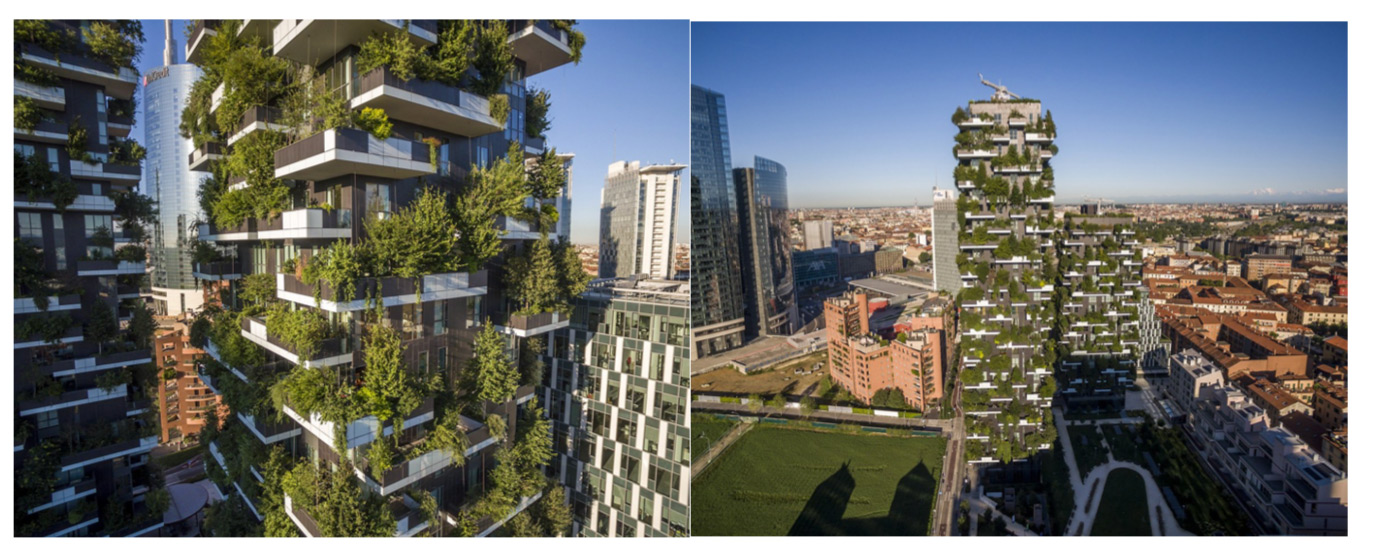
499,108
537,112
374,121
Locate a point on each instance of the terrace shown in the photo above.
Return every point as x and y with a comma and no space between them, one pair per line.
394,291
438,105
343,151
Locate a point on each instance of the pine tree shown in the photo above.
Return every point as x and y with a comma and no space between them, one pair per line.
494,379
102,327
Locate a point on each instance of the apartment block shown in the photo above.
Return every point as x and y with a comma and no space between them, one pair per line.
639,220
184,401
83,374
818,234
618,388
944,230
433,176
1259,265
865,364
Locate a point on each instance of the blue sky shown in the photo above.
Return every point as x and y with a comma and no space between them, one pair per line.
859,113
628,99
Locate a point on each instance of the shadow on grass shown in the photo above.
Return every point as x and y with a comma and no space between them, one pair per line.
909,514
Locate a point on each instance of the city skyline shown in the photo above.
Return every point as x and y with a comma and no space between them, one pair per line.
651,110
1176,75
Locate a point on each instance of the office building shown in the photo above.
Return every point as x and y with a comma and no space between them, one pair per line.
83,378
639,220
168,179
818,234
435,347
944,232
816,267
765,248
717,288
618,391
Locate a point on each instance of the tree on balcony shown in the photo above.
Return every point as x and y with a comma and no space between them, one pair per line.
494,58
116,42
492,191
419,239
537,104
337,504
489,372
533,279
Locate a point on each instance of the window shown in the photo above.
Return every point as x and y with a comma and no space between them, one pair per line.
100,102
443,159
379,199
482,155
441,363
53,162
440,318
474,316
59,241
31,228
47,419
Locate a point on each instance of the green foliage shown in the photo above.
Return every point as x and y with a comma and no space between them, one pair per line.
27,115
417,240
537,104
572,278
77,140
337,503
101,325
117,43
491,192
390,388
34,179
533,280
495,379
340,266
253,160
302,330
494,58
127,152
142,326
393,50
48,327
576,40
547,177
959,116
258,288
374,121
41,32
252,77
451,56
498,107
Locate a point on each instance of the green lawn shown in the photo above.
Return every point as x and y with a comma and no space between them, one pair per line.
1090,454
1123,509
1124,447
707,430
1209,508
1055,475
780,481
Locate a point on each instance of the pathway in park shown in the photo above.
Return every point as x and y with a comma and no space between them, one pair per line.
711,454
795,413
1081,521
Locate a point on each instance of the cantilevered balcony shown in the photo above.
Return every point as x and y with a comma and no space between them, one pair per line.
96,363
364,430
217,271
542,46
393,291
45,132
437,105
69,399
530,325
203,156
311,41
74,334
118,82
343,151
1016,122
99,268
51,98
296,224
257,119
114,451
124,175
201,33
1038,137
512,228
55,304
975,122
975,153
401,476
270,431
329,352
216,97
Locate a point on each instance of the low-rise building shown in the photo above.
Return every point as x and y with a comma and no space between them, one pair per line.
1329,403
864,364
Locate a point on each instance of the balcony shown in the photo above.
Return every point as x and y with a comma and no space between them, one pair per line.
364,430
975,153
74,334
1016,122
217,271
539,44
529,325
201,33
70,399
297,224
101,268
516,229
311,41
1036,137
69,493
51,98
975,123
96,363
107,453
44,132
437,105
270,431
394,291
55,304
125,175
216,97
1045,154
344,151
257,119
330,352
118,82
201,158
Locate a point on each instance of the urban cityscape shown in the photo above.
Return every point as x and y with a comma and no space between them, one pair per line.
984,355
670,279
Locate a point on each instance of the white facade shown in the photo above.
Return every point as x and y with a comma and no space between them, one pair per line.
638,219
818,234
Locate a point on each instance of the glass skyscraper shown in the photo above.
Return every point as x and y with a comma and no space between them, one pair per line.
717,291
168,178
765,248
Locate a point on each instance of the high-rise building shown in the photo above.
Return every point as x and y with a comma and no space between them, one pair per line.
168,179
411,381
944,230
618,391
717,289
818,234
639,220
765,248
83,377
1006,261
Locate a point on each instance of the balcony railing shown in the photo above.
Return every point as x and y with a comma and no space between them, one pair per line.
53,98
45,131
310,41
126,175
526,325
217,271
296,224
118,82
329,352
201,32
437,105
94,268
201,158
256,119
343,151
394,291
542,46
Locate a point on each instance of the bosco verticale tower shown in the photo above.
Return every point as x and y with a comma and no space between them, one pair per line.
1008,269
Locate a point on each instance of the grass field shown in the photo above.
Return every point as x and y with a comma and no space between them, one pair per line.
780,481
1089,454
707,430
1124,510
1124,447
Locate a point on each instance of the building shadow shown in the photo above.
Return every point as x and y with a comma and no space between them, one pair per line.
824,511
909,515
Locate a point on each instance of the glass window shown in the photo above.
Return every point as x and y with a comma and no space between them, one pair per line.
31,228
379,199
59,241
53,161
441,364
47,419
440,318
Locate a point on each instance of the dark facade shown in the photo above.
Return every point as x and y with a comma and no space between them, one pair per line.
765,249
717,290
83,383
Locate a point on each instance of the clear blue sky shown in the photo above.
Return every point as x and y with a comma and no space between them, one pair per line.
628,99
860,113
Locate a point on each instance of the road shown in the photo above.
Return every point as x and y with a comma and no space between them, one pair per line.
952,476
825,416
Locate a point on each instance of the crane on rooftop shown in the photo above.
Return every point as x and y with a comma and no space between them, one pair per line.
1002,94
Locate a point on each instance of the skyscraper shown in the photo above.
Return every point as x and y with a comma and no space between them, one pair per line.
168,178
717,291
409,383
944,228
83,376
765,247
618,391
639,220
818,234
